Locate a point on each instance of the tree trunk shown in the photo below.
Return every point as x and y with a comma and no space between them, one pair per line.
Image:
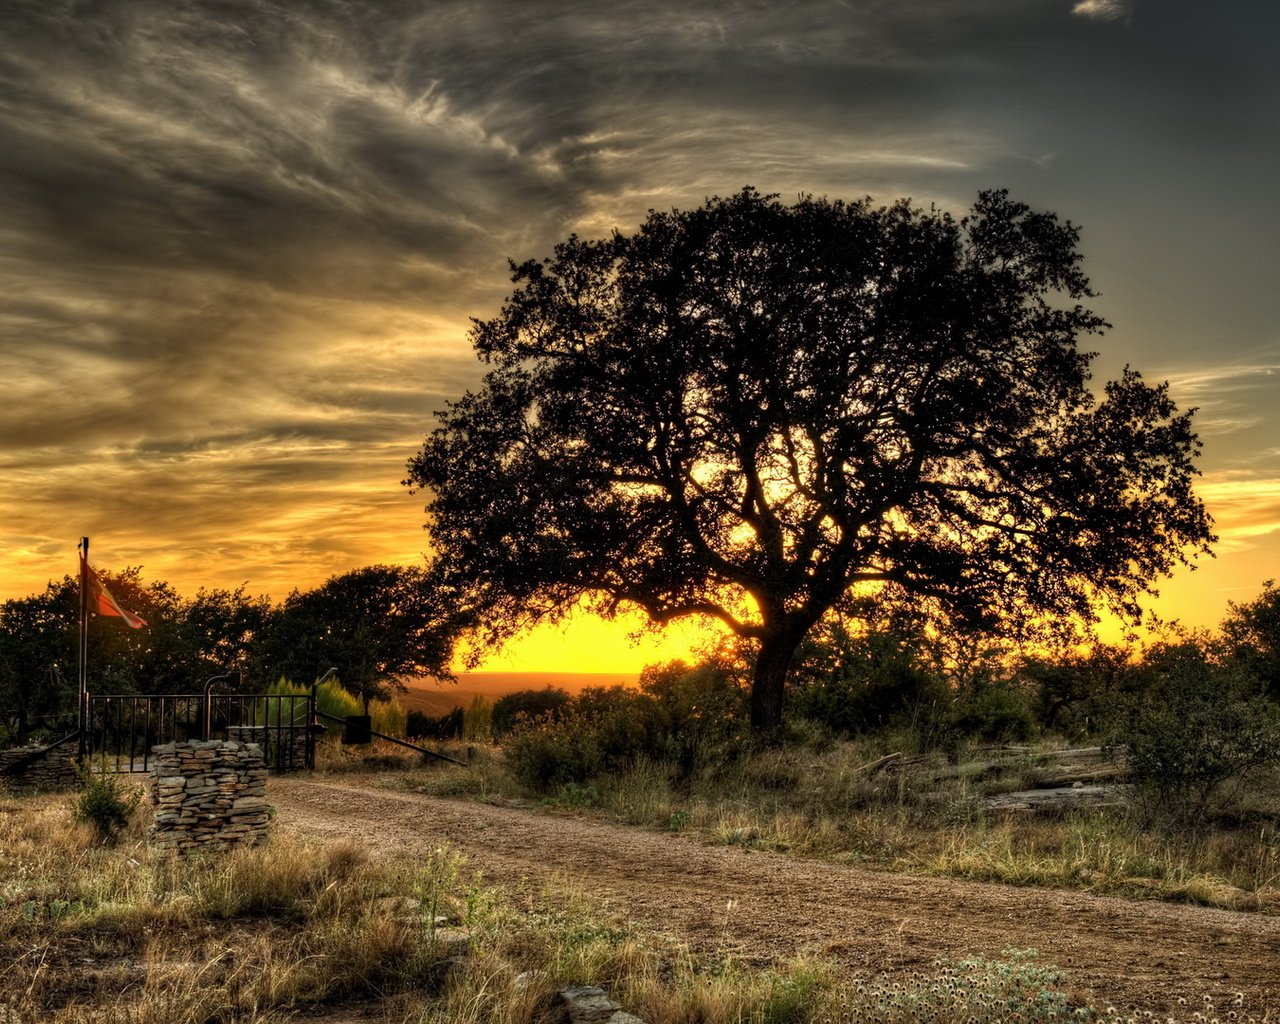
768,685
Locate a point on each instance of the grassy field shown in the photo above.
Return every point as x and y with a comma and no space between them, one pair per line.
118,933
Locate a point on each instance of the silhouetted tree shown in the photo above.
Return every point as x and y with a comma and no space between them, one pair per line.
220,629
1196,731
1075,690
744,410
37,661
1251,637
183,644
378,626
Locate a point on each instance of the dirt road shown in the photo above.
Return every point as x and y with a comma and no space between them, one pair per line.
763,907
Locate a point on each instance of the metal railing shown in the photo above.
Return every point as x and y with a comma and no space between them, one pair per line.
120,730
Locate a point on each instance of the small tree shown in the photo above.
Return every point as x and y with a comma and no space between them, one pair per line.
1195,734
1251,636
37,666
745,410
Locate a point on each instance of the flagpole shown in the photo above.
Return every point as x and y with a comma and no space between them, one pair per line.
84,645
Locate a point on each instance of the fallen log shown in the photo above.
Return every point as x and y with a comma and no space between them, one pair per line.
1040,801
1067,775
872,767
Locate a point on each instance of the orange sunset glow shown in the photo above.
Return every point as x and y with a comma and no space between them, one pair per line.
241,255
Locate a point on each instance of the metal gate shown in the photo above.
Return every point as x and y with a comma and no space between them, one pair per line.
119,730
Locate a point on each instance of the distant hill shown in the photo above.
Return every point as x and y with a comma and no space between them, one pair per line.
435,698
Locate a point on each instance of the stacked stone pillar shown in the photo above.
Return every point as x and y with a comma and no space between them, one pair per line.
44,769
209,795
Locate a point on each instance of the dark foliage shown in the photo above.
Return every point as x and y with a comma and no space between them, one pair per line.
681,716
1074,692
377,626
998,711
105,804
419,725
1195,734
1251,634
510,710
885,674
184,643
743,410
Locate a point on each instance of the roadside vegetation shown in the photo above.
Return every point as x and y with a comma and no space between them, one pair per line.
899,745
94,932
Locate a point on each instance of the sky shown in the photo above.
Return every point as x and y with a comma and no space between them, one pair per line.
241,240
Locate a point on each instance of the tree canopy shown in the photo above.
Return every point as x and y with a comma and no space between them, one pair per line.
377,626
746,409
1251,632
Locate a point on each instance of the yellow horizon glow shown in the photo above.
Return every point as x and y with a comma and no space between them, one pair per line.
381,527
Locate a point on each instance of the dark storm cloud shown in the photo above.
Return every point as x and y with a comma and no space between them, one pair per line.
242,238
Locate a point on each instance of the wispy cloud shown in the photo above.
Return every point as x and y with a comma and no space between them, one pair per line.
1102,10
1230,397
1244,509
240,250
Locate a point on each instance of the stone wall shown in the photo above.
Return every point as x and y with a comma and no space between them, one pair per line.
209,795
282,749
51,770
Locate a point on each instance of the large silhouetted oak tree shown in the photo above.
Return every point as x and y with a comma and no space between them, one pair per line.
747,409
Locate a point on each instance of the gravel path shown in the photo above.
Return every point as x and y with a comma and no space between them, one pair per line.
763,906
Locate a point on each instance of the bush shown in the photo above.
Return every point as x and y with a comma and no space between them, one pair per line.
106,805
891,696
689,717
1195,736
681,717
1074,690
510,710
386,716
995,712
331,698
477,721
444,727
549,753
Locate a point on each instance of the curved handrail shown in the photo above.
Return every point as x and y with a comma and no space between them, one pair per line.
206,726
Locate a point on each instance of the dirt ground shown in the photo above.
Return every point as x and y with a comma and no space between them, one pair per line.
762,907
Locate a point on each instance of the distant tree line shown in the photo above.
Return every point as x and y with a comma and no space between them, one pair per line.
378,625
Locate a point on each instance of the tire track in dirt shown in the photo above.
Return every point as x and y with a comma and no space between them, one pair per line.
1111,950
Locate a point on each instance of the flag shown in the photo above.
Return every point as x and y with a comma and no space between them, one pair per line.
101,602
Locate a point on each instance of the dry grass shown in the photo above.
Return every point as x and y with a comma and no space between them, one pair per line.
120,934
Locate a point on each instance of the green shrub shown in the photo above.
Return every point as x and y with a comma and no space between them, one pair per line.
995,712
477,720
106,805
575,797
687,717
547,754
523,705
890,696
682,717
1195,736
331,698
388,717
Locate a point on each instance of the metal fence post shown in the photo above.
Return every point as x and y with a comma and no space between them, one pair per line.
206,706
